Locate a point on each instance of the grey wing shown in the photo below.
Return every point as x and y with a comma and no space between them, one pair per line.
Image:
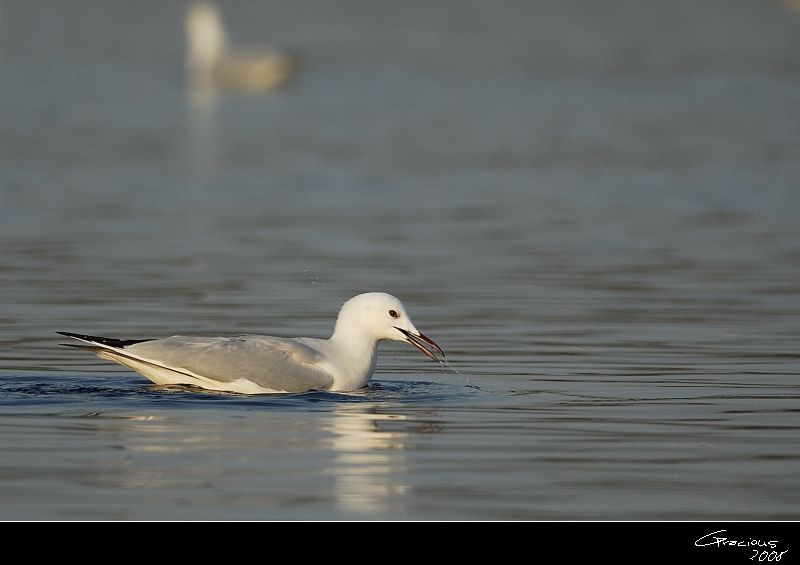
271,362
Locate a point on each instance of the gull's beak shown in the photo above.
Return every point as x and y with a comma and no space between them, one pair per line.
423,343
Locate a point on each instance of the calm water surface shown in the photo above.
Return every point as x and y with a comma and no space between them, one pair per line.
593,207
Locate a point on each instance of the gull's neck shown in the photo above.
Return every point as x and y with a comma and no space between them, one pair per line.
356,353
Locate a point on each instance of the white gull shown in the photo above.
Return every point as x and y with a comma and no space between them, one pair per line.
212,63
254,364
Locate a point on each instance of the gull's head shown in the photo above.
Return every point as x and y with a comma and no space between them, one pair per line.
382,316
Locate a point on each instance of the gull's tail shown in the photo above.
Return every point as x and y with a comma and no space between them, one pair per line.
96,342
114,350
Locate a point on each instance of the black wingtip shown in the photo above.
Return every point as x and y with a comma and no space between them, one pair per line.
109,341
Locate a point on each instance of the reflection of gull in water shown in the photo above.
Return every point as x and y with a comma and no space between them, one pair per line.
211,63
369,461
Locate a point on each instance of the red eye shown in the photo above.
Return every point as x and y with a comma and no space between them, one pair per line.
394,314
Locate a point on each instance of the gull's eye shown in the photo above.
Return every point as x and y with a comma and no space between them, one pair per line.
394,314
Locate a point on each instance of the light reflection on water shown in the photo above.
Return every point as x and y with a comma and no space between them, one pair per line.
369,465
598,223
221,460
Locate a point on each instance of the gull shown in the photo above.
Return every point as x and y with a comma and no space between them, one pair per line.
211,62
256,364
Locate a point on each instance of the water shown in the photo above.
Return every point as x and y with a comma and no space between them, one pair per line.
592,207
